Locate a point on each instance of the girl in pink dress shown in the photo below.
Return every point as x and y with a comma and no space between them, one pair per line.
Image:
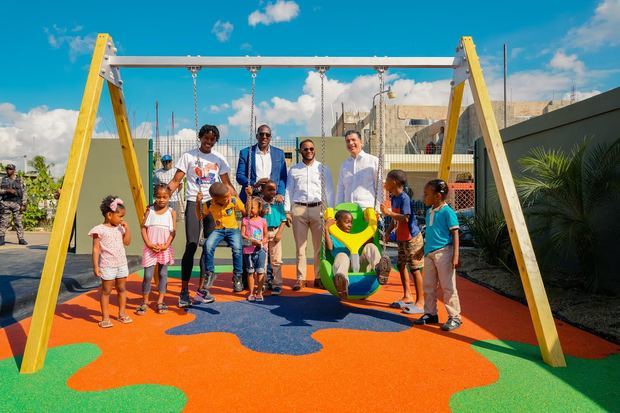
109,260
158,230
255,236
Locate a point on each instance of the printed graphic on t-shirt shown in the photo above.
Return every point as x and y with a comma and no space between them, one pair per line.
257,234
207,174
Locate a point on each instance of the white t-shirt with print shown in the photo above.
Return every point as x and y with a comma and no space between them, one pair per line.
201,171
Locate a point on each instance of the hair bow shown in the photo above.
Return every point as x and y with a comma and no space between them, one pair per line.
114,205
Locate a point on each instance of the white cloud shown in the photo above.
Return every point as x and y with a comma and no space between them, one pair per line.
222,30
280,11
57,37
562,61
601,29
219,108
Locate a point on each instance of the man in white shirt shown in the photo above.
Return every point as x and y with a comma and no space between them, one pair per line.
302,203
357,180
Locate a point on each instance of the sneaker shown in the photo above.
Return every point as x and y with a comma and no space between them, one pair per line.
237,284
276,291
204,296
383,269
23,242
184,299
426,319
451,324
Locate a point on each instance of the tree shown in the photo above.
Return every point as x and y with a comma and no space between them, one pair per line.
572,199
40,190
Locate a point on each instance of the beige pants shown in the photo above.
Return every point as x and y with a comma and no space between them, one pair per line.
438,269
368,260
275,255
305,218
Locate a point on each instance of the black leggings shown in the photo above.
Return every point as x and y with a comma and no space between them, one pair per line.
192,236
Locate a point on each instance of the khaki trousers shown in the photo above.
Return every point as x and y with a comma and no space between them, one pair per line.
275,256
305,218
438,269
368,260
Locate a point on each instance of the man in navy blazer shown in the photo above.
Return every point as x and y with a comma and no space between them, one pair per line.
267,163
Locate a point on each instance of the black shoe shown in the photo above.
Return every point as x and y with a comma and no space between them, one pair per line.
237,284
426,319
451,324
318,284
184,299
2,241
276,291
22,242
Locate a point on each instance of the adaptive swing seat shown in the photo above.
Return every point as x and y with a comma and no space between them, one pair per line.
361,284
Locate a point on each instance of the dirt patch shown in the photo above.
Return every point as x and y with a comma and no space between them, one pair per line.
597,314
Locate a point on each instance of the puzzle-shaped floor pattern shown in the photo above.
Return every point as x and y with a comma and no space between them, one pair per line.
47,390
527,384
284,325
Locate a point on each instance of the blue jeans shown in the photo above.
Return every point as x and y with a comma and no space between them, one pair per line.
255,262
233,239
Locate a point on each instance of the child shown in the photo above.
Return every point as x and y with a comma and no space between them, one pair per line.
158,231
254,232
109,260
441,256
276,219
222,207
370,256
409,240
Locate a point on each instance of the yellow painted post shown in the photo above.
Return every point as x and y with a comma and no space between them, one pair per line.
47,296
128,150
449,140
544,325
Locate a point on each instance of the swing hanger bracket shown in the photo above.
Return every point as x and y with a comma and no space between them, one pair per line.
461,68
194,70
381,69
110,73
322,69
253,70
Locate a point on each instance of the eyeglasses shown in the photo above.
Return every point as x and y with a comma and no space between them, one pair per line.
267,134
307,149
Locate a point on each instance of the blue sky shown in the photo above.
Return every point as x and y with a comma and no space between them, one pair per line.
46,53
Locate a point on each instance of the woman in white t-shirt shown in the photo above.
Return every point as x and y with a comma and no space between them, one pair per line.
202,167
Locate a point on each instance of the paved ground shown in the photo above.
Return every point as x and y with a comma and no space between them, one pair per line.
304,352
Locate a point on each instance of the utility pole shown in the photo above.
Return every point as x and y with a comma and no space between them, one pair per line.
505,78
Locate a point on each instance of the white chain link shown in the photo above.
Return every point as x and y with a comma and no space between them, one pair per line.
381,71
324,205
194,70
253,71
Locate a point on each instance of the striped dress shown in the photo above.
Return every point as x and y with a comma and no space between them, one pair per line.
158,229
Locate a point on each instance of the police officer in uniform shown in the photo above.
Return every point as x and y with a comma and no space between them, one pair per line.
12,201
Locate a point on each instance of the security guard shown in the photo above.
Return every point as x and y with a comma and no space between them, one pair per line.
12,201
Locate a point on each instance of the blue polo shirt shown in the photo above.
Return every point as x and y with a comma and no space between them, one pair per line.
275,214
401,204
439,222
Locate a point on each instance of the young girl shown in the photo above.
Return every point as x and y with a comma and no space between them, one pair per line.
109,260
158,231
441,256
255,235
409,240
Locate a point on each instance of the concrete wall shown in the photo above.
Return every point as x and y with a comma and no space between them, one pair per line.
105,174
597,118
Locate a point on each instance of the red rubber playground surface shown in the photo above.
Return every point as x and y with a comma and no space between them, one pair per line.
305,352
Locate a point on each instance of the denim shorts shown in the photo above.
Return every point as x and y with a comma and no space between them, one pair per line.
112,273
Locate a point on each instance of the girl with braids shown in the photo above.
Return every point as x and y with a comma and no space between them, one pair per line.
441,257
109,260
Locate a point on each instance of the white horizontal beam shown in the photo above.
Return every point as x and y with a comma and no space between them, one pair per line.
281,62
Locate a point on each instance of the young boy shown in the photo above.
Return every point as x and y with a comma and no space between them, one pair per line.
370,258
222,207
409,240
276,218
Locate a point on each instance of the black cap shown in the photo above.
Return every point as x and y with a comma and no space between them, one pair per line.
9,166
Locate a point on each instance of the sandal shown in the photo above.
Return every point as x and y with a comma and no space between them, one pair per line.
383,269
260,298
105,324
251,297
125,319
141,310
161,308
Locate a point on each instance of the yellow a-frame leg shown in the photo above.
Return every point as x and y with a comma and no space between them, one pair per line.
128,150
449,140
544,326
45,304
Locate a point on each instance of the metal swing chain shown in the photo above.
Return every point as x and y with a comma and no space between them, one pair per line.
194,70
253,71
322,71
381,71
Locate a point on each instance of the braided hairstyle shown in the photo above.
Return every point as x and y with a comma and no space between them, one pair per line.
439,186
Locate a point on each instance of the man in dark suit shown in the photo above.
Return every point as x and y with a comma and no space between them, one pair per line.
267,162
